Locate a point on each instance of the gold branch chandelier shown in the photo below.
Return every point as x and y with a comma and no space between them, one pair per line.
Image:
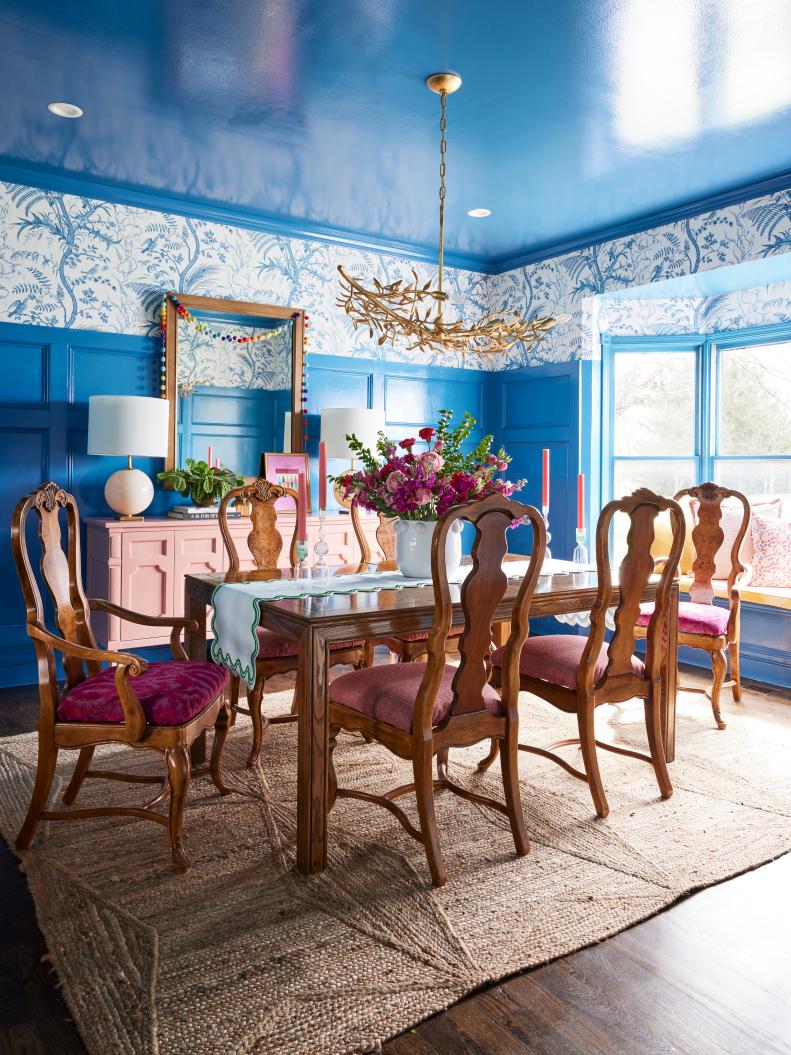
413,311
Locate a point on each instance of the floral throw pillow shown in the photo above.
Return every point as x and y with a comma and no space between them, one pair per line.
772,552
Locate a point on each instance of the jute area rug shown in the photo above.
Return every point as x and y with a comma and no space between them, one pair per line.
243,955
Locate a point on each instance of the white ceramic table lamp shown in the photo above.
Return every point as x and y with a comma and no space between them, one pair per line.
338,422
127,426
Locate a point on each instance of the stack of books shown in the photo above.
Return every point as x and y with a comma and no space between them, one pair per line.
200,513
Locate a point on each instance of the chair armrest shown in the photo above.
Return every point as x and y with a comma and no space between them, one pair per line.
126,665
179,623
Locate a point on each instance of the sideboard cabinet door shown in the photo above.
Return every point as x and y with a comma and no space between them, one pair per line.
147,580
197,549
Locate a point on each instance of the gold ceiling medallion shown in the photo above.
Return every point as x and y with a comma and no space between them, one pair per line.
412,311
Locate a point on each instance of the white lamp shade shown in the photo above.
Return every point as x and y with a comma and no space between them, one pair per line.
122,425
338,422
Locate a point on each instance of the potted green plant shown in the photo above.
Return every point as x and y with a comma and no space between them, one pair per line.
204,484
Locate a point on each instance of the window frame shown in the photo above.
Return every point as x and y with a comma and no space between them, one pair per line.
708,371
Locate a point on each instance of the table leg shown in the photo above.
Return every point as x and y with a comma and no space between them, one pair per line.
196,650
312,755
670,679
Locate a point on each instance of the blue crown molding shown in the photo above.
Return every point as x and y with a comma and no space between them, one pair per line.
159,201
644,222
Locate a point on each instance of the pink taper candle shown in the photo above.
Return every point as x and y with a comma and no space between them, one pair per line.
545,478
580,502
208,460
322,476
302,510
216,463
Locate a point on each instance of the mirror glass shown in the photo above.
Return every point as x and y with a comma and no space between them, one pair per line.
234,376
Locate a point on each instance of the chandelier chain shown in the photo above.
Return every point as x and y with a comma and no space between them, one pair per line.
443,124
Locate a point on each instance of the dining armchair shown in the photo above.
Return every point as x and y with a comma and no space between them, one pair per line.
405,647
159,707
701,623
276,654
578,674
420,710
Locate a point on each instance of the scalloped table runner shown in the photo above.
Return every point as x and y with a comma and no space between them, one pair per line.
237,606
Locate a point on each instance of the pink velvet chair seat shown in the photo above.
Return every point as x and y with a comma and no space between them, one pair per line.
170,693
556,659
275,646
422,635
707,619
388,694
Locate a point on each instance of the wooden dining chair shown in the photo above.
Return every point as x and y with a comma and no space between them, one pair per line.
419,710
701,623
406,647
578,674
160,707
276,654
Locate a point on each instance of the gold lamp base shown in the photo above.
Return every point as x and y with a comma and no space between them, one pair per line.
448,82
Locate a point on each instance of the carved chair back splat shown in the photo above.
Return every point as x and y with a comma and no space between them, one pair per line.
635,570
61,574
264,540
469,719
385,532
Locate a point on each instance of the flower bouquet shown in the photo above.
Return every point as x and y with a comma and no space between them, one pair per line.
399,481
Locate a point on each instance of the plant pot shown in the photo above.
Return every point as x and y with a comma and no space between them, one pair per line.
413,548
203,501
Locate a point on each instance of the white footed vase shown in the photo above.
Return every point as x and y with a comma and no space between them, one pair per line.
413,548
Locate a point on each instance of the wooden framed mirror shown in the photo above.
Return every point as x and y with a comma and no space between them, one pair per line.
239,398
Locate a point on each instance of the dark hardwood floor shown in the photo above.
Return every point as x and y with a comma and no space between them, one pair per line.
709,976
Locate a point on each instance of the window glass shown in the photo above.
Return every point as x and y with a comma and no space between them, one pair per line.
755,400
662,477
654,403
756,477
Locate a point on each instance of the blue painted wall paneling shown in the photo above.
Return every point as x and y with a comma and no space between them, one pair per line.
534,408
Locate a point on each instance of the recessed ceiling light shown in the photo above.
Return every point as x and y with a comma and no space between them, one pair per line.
64,110
479,212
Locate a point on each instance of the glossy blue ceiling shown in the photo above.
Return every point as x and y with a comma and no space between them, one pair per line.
576,118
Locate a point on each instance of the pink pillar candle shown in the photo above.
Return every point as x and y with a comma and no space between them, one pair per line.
322,476
580,502
302,510
208,460
545,478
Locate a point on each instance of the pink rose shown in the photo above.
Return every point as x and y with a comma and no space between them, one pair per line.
423,496
431,461
394,481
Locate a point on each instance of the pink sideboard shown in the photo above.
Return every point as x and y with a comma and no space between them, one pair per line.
141,564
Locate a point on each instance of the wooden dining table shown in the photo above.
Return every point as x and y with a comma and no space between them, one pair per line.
317,622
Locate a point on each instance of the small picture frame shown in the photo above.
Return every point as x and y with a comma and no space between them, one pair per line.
285,469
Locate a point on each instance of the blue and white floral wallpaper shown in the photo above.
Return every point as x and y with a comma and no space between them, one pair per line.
72,261
574,284
758,306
